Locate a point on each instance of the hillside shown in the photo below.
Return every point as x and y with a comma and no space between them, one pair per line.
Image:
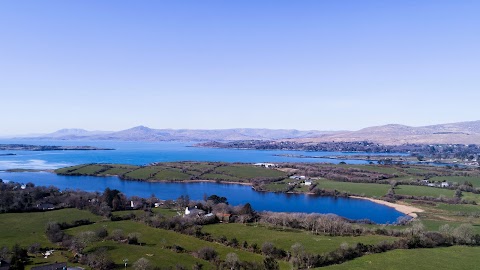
392,134
142,133
452,133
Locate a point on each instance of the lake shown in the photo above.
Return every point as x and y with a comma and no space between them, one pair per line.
236,194
141,153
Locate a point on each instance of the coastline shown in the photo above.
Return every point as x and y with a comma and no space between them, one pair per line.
202,180
405,209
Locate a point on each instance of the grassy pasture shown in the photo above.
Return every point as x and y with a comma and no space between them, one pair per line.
367,189
475,180
154,242
69,169
423,191
29,228
452,258
171,174
285,239
216,176
91,169
249,171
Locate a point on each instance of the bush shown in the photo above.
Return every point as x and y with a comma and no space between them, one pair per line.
207,253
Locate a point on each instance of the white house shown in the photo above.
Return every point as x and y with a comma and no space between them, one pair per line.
266,165
298,177
308,183
194,212
445,184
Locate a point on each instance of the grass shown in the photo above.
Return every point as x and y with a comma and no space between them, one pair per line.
242,171
91,169
285,239
119,170
216,176
373,168
177,171
367,189
475,180
457,257
154,242
28,228
69,169
463,208
434,225
423,191
143,173
171,174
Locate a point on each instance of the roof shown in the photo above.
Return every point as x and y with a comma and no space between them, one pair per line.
4,265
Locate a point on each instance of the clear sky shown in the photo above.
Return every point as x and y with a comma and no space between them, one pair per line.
325,65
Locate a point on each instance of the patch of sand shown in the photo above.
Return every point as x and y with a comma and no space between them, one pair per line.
406,209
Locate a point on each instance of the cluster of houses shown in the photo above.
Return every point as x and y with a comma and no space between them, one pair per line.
266,165
198,213
429,183
306,182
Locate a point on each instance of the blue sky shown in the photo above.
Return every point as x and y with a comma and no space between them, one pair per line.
325,65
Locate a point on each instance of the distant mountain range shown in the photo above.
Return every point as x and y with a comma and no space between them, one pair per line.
142,133
452,133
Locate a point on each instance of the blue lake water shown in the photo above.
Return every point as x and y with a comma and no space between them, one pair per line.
236,194
140,153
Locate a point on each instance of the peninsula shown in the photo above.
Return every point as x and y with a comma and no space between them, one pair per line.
27,147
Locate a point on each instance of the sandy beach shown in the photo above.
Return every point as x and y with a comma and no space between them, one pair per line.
406,209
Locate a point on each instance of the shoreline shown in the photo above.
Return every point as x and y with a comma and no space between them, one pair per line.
402,208
201,181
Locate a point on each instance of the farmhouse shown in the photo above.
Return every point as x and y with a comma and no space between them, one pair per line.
45,206
266,165
445,184
308,183
194,212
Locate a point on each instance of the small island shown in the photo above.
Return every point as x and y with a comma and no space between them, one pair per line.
28,147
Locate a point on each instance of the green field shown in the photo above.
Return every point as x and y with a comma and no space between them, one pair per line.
216,176
285,239
176,171
451,258
171,174
29,228
475,180
242,171
367,189
373,168
91,169
424,191
154,242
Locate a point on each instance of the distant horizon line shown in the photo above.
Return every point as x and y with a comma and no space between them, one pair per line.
207,129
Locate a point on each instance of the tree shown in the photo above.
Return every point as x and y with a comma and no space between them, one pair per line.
19,258
216,199
458,193
463,234
207,253
100,260
268,248
269,263
33,249
232,261
142,264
